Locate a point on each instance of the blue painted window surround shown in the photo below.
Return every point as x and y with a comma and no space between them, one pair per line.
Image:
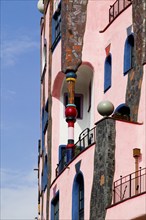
56,27
107,72
78,197
44,60
62,157
128,53
55,207
44,124
45,174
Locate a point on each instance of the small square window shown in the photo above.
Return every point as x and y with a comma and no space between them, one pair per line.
78,103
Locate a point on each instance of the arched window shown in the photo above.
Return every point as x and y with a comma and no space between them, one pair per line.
107,72
122,112
129,53
78,198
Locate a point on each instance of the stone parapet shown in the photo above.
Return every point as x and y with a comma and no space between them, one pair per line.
104,167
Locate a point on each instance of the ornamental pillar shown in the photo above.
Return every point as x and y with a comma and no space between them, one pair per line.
70,111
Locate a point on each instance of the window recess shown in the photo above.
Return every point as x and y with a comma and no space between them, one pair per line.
78,102
56,27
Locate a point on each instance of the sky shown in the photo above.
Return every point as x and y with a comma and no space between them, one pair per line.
19,108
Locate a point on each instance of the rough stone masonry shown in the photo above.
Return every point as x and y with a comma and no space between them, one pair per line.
104,167
135,75
73,15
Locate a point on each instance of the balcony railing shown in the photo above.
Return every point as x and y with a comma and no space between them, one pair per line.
129,186
86,139
117,8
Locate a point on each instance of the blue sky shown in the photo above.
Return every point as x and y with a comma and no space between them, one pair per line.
20,96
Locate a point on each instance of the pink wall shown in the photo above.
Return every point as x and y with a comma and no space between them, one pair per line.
127,138
94,51
55,135
129,209
64,184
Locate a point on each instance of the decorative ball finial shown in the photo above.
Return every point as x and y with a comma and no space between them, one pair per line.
71,112
105,108
40,6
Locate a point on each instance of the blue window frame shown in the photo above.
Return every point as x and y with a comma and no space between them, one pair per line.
44,124
56,27
43,135
62,157
107,72
44,60
55,207
45,118
78,197
129,53
45,174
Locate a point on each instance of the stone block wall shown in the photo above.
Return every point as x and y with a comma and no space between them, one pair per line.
104,167
135,76
73,17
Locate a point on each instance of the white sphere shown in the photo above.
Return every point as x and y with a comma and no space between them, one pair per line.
40,6
105,108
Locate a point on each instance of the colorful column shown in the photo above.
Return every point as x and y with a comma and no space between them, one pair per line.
70,111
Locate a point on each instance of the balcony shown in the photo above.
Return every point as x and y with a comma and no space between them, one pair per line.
118,7
129,186
86,139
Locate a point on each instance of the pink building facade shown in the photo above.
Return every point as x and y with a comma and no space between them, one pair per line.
91,165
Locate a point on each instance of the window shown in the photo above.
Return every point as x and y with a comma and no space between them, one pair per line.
56,27
122,112
81,199
62,157
44,59
45,174
107,72
43,135
129,54
78,103
55,208
78,198
89,97
45,118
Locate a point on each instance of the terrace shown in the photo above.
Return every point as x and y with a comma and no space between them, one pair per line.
115,10
118,7
86,139
129,186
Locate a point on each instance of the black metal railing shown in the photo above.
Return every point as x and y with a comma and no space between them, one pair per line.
118,7
86,139
129,186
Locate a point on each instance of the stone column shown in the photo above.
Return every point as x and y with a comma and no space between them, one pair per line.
104,167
